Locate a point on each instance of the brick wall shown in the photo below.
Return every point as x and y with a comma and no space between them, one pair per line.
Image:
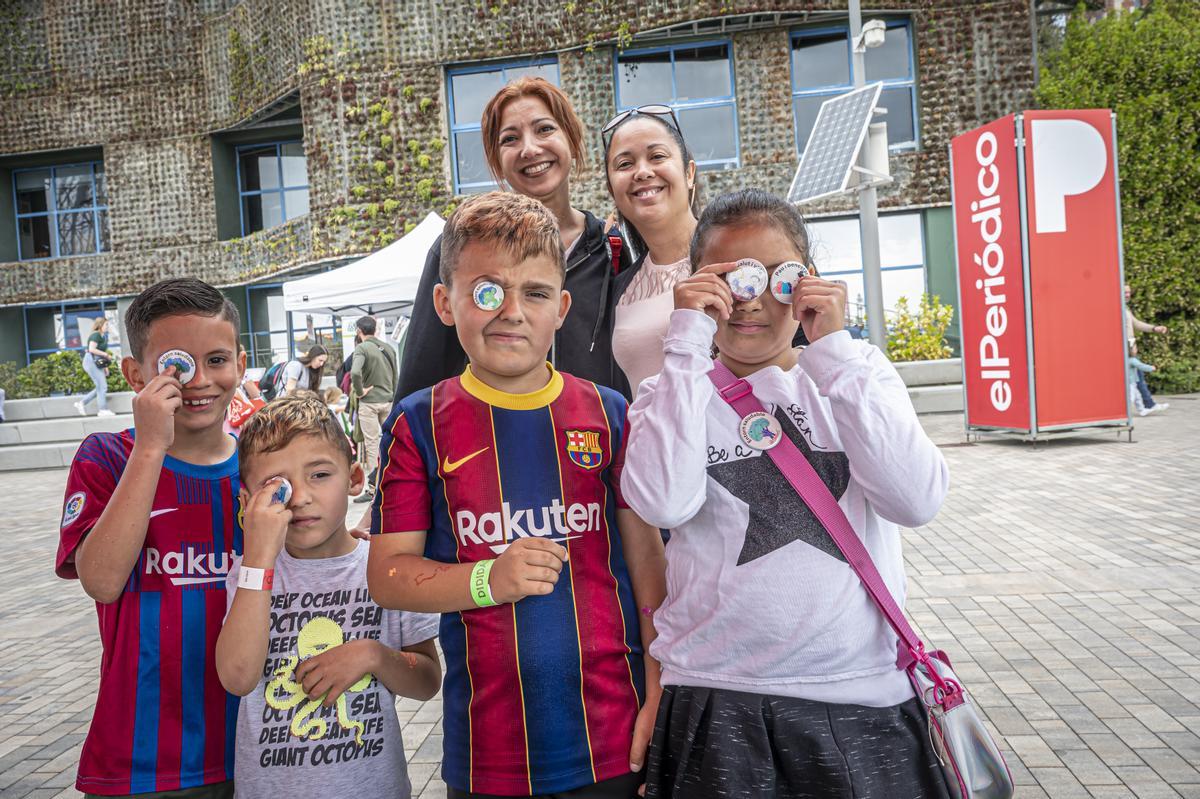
149,81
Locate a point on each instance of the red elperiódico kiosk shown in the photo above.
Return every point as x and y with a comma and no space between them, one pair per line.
1037,229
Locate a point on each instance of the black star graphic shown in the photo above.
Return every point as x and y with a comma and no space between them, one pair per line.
777,514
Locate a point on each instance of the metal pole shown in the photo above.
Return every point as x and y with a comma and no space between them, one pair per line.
868,209
1033,32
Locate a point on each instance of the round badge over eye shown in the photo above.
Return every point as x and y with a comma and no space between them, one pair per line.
784,279
185,364
488,296
283,492
748,281
760,430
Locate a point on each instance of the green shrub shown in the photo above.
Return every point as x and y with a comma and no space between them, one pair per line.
59,373
116,380
1143,65
8,380
920,336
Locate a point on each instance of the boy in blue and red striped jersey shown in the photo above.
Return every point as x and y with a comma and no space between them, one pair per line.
148,527
498,506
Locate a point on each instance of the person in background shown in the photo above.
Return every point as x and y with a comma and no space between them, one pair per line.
335,399
339,405
652,180
341,377
305,372
246,400
95,362
533,140
372,381
1133,325
1136,369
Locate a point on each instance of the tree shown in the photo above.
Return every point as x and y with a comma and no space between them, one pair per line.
1145,65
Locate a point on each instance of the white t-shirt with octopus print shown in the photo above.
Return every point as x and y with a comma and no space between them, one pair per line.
291,747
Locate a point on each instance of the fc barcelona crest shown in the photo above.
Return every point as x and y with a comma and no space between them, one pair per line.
584,448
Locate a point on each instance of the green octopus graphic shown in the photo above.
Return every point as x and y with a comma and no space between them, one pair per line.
283,692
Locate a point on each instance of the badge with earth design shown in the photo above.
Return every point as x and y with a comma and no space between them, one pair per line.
748,281
488,296
185,364
760,430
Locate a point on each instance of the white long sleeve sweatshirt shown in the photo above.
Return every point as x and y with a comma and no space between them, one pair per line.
758,597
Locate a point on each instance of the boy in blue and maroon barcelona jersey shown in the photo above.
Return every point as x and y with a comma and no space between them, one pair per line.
148,528
498,506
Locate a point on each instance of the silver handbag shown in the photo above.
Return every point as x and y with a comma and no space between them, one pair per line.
971,761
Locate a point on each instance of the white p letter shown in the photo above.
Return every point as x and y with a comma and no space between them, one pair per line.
1069,157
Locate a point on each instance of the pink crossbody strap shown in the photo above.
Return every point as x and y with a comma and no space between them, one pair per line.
816,495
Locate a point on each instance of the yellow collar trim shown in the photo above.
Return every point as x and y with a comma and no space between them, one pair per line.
513,402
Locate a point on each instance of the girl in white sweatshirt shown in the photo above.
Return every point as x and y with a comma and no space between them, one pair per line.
780,673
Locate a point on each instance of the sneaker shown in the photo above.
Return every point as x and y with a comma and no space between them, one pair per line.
82,410
1162,406
365,496
105,412
1145,411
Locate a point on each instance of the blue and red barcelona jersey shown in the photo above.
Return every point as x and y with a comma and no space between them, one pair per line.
541,695
162,722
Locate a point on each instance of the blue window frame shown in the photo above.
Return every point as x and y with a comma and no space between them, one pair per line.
274,334
821,69
272,184
52,327
61,211
269,332
696,80
469,88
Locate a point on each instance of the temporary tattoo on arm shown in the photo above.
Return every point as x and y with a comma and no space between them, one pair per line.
427,576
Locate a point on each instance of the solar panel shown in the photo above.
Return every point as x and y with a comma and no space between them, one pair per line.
833,147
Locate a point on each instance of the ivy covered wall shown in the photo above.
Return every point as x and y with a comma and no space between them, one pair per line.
151,81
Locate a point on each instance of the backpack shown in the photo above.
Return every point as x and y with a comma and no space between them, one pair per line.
268,384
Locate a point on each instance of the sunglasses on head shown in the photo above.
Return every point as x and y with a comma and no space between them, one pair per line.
663,112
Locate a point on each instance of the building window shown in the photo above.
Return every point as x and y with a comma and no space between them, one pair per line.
66,326
821,69
837,253
274,334
268,325
697,81
61,211
469,89
272,184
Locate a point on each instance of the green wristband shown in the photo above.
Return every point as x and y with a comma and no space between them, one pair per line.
481,591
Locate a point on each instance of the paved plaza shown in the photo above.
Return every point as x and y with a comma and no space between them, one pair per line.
1063,578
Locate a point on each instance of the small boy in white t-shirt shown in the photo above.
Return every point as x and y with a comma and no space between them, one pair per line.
317,663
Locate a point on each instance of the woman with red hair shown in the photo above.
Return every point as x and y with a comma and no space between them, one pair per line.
533,142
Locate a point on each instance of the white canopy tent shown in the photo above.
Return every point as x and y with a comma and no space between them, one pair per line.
382,284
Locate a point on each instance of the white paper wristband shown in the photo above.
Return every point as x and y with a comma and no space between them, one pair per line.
255,579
